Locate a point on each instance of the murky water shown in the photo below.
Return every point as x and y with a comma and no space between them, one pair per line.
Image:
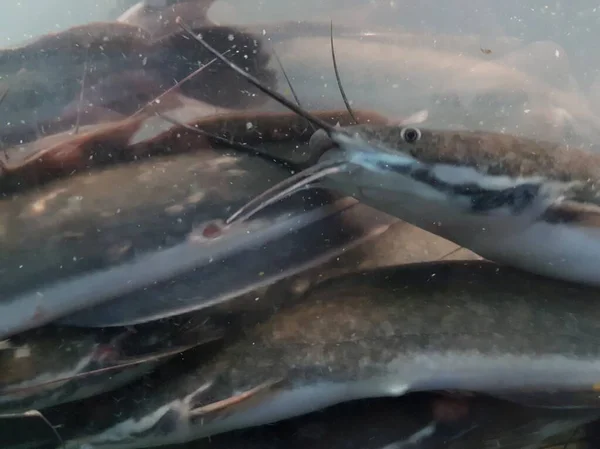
132,311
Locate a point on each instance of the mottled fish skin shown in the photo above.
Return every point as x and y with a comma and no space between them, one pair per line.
490,153
453,326
530,204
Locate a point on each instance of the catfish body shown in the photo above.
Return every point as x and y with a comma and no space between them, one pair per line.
102,234
468,326
54,365
421,421
119,68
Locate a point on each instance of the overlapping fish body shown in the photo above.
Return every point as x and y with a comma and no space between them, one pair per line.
468,326
134,229
54,365
521,202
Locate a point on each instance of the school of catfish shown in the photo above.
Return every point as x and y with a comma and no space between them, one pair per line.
204,244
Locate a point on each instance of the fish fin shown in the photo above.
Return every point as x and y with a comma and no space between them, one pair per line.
123,363
6,344
338,79
414,119
238,402
254,81
156,101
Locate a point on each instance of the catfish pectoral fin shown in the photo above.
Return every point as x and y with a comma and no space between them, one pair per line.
238,402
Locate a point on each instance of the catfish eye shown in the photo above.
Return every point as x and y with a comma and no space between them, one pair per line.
410,135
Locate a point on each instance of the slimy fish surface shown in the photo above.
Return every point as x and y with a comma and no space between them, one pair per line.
469,326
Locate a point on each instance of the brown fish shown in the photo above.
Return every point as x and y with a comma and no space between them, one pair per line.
461,326
45,76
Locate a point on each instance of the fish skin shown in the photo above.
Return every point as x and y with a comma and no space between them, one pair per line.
53,365
493,154
519,221
95,217
415,421
89,225
400,73
469,326
338,224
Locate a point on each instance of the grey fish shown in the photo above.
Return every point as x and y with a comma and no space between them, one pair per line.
136,228
522,202
529,204
520,89
469,326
